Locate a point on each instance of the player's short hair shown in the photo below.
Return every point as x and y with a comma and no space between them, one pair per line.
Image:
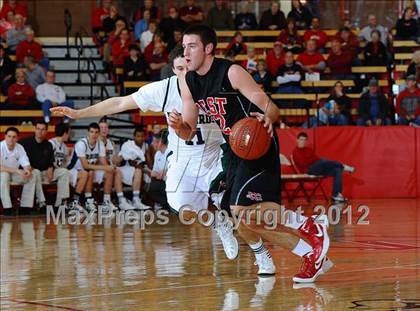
177,51
139,129
302,134
93,125
207,35
103,120
162,136
12,129
40,121
61,129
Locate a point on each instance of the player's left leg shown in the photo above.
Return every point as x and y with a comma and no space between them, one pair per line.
108,179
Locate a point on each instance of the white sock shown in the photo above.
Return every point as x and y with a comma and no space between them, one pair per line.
302,248
258,248
136,195
47,119
120,196
107,197
348,168
88,195
293,219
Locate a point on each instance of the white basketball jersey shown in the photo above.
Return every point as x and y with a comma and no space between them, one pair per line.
130,151
165,96
91,153
60,152
109,150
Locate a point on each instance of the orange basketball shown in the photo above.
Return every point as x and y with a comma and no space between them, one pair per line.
249,139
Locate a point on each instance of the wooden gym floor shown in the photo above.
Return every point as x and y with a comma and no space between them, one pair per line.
177,267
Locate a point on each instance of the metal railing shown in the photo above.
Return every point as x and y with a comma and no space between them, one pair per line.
91,70
68,24
78,42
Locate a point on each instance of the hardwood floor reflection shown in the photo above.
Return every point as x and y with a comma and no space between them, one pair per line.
177,267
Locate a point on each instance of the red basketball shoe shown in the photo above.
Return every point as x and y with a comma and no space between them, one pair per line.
315,231
311,270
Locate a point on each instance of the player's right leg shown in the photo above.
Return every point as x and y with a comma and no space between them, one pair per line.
123,175
78,179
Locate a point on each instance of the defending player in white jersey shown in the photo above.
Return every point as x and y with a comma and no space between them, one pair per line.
89,157
193,164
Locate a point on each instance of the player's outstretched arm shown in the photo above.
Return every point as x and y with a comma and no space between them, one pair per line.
242,81
109,106
185,124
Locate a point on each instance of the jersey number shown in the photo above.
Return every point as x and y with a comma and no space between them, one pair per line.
200,140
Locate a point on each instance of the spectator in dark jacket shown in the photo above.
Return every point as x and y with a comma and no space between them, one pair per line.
273,19
289,76
263,77
300,14
407,26
168,24
373,107
408,103
219,17
375,51
236,46
134,65
245,20
414,67
7,70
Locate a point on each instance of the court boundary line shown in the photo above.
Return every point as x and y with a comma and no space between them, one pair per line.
208,284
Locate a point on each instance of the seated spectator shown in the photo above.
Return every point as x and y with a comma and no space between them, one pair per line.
414,67
245,20
30,47
219,17
237,45
349,43
168,24
158,59
273,18
336,111
51,95
275,58
158,174
88,159
309,163
315,33
263,77
339,62
190,13
250,63
16,168
14,7
147,36
41,156
7,70
366,32
407,26
99,14
311,61
148,51
135,66
300,14
289,75
142,25
373,107
6,25
120,48
408,103
113,36
175,40
16,34
375,51
289,37
108,24
21,95
34,74
131,162
148,5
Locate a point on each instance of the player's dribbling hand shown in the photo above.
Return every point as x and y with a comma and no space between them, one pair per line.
65,111
266,120
175,119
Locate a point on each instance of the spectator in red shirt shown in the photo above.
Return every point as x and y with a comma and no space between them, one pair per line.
408,103
158,59
308,162
190,13
14,7
20,94
120,48
99,14
275,58
310,60
29,47
6,24
349,43
250,64
237,45
315,33
289,37
339,62
148,5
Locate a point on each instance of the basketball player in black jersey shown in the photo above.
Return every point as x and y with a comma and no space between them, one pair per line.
228,93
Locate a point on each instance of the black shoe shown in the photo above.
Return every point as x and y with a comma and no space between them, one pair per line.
42,210
26,211
9,212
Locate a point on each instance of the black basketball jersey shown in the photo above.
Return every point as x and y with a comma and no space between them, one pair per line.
214,94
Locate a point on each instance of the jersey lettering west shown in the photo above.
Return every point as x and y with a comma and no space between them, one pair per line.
92,153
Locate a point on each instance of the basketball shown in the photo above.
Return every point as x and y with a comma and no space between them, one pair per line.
249,139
